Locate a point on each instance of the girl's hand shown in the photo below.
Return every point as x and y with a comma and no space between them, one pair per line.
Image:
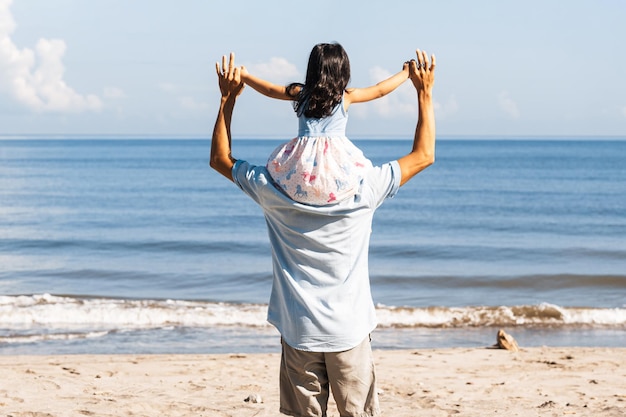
244,73
405,68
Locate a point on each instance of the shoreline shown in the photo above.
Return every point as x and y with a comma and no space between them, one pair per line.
541,381
261,340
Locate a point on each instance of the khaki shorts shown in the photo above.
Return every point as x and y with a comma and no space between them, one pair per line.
305,378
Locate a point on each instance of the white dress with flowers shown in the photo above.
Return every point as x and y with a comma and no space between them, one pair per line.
321,166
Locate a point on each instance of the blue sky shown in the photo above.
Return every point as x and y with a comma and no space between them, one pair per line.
146,67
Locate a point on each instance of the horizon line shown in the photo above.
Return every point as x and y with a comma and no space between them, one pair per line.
153,136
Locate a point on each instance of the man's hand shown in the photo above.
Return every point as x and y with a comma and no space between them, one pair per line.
229,77
422,72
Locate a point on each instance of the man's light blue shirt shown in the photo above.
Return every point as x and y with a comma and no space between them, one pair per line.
321,299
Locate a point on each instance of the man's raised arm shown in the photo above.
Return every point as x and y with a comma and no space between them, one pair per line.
230,87
422,74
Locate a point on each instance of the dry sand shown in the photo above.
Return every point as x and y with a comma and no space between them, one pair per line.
442,382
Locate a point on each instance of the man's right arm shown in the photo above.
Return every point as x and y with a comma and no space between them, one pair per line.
422,155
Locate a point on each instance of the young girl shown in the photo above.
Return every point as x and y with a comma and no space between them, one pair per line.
321,165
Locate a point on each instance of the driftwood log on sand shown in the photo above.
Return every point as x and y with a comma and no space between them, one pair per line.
506,341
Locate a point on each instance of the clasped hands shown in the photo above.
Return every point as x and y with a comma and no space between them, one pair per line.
421,71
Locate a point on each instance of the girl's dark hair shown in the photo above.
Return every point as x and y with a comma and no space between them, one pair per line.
327,77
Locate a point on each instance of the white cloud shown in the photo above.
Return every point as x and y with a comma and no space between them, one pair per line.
7,24
400,102
186,102
508,105
114,93
277,70
35,77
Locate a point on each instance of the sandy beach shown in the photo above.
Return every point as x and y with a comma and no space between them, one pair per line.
442,382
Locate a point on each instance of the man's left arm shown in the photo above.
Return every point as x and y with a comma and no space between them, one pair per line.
230,83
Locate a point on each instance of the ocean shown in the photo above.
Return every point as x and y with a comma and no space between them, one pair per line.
138,246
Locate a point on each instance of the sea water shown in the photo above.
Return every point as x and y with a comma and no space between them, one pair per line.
137,246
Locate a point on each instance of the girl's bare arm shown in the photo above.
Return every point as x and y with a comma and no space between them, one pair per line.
361,95
265,87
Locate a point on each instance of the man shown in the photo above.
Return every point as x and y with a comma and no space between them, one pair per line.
321,301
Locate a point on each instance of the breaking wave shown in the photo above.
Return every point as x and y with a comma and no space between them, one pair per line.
51,311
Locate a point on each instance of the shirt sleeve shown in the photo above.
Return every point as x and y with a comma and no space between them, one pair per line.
382,182
253,180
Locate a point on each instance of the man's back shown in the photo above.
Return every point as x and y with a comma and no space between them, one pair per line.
321,299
